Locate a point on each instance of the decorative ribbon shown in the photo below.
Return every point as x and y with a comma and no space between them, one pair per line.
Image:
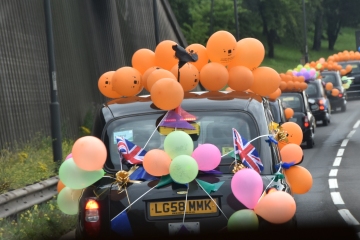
270,140
285,165
121,225
212,172
209,187
278,176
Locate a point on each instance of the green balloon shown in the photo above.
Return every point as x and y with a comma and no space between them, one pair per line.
178,143
74,177
243,220
183,169
68,200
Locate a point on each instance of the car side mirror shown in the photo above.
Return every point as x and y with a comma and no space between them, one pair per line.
311,101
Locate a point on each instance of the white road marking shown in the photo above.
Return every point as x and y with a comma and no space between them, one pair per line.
333,183
356,125
340,152
351,133
333,173
337,162
336,197
344,142
348,217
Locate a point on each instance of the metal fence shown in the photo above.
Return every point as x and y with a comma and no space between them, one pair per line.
91,37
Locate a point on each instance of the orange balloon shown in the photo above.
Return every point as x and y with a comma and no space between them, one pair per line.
157,74
157,162
343,72
200,50
289,113
60,186
290,86
329,86
275,94
126,81
281,144
277,207
297,86
299,179
240,78
143,59
221,47
229,89
189,76
167,94
214,76
295,134
301,79
348,68
266,81
105,86
89,153
165,55
250,53
291,153
283,86
303,85
146,75
335,92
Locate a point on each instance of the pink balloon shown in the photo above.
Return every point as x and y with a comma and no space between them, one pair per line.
247,187
68,156
207,156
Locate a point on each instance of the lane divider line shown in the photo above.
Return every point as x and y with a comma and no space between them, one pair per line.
348,217
333,183
340,152
336,197
337,162
344,142
333,173
351,133
356,125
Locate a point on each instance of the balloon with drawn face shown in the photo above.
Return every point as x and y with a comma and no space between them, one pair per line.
221,47
189,76
105,86
126,81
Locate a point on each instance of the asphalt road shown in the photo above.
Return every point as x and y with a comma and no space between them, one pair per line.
331,209
332,204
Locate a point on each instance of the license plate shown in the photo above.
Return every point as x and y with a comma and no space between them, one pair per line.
171,208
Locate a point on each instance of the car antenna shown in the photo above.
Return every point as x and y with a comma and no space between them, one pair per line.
184,57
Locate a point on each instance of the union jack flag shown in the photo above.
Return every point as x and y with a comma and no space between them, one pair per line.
129,151
248,154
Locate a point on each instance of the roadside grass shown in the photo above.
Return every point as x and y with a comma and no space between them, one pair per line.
43,221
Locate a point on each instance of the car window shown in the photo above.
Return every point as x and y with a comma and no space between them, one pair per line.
312,91
293,101
275,111
213,127
331,78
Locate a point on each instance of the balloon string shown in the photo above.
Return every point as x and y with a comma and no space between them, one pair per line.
156,129
272,180
134,202
212,200
187,191
267,135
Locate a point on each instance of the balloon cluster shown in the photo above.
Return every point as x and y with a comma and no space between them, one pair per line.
331,64
179,159
292,83
274,206
307,71
81,168
223,61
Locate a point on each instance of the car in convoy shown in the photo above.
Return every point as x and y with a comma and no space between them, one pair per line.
303,116
340,100
277,111
354,90
319,102
160,211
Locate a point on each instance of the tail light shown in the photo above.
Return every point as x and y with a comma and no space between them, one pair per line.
321,104
92,218
340,95
306,122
